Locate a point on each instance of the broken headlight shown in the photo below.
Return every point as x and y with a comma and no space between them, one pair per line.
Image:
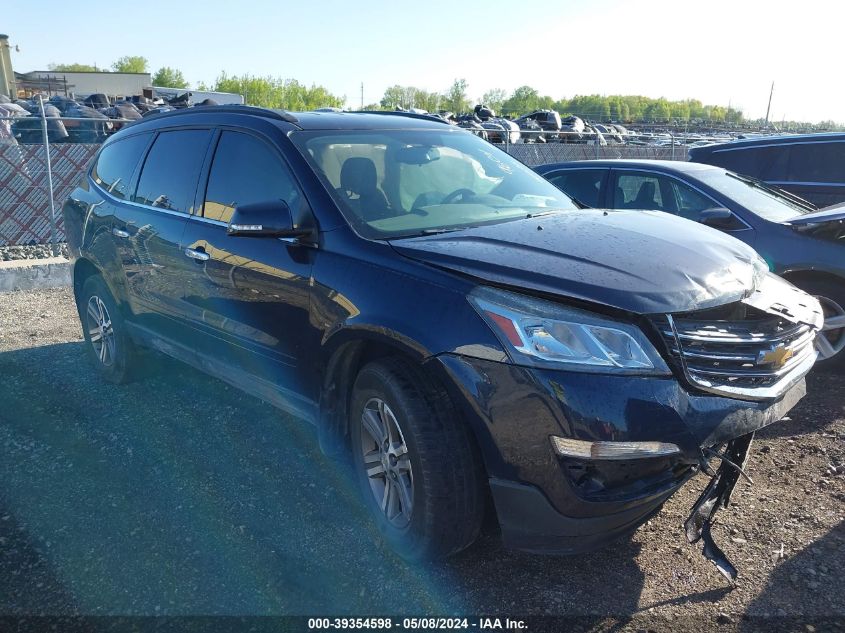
541,333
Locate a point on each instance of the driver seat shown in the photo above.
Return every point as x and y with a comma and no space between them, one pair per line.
358,177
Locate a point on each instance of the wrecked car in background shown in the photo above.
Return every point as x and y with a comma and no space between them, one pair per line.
443,314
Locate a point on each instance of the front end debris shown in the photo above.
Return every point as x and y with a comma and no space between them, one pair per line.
717,494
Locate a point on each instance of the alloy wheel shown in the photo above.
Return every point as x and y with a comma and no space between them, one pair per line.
387,462
831,340
100,330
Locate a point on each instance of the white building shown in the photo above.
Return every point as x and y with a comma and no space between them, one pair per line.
80,85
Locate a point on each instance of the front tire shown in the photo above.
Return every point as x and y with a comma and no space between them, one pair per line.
418,469
106,338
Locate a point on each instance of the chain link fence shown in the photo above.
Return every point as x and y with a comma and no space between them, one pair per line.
25,211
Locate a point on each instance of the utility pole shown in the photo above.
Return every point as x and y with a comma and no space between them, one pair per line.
768,109
362,95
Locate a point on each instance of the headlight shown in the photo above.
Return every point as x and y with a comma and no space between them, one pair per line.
541,333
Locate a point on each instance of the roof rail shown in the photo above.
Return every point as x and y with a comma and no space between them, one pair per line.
267,113
410,115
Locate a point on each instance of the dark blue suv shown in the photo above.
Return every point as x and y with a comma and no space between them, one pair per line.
442,314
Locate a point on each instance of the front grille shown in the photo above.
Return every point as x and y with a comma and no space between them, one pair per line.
739,350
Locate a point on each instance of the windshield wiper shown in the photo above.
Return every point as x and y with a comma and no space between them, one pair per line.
439,231
542,213
777,191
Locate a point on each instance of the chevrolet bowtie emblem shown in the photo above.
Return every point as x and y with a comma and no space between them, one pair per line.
775,357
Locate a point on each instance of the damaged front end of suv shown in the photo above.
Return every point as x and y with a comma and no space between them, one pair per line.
674,372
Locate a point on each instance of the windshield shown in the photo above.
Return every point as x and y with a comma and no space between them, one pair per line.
754,195
398,183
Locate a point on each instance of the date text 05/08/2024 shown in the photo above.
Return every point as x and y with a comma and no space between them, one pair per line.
424,623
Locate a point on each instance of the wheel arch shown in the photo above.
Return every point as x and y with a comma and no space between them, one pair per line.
82,269
344,354
344,358
797,276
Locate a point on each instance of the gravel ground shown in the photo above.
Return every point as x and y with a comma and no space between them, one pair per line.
179,495
32,251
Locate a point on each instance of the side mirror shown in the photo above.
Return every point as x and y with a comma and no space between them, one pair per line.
718,218
272,218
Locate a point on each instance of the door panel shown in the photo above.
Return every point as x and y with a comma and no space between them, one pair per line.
148,230
248,303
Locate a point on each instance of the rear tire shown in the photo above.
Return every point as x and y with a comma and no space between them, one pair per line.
832,298
415,460
106,337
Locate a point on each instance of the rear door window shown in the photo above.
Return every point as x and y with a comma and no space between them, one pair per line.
584,185
116,164
245,170
767,162
169,177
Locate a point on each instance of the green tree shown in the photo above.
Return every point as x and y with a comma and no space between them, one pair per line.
407,97
73,68
680,110
274,92
495,99
456,99
131,64
522,101
167,77
394,97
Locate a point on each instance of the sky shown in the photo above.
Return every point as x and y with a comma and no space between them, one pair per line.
720,52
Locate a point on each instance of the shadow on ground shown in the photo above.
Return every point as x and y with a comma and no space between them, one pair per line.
179,495
822,405
803,584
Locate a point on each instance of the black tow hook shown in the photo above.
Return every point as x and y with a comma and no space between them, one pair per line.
716,495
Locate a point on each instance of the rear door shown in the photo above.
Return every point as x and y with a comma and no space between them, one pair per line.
148,227
114,173
248,297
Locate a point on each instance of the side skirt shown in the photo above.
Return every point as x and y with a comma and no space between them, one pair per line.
281,398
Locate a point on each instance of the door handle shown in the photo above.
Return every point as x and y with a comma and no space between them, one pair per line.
200,256
119,232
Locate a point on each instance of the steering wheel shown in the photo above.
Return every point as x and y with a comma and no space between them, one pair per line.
463,193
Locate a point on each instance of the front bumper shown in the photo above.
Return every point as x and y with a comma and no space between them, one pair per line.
548,503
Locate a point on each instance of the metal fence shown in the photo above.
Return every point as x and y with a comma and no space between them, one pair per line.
25,208
33,188
542,153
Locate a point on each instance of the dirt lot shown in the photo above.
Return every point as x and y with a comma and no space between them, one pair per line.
179,495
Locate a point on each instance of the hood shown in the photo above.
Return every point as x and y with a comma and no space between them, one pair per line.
638,261
835,213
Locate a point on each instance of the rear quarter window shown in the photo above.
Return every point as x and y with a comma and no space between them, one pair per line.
115,165
765,163
817,162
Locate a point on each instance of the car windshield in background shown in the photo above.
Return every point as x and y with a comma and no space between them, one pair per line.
755,196
401,183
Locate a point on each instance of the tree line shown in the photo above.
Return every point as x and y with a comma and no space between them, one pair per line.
526,99
290,94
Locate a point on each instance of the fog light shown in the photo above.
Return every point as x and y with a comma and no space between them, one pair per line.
580,449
